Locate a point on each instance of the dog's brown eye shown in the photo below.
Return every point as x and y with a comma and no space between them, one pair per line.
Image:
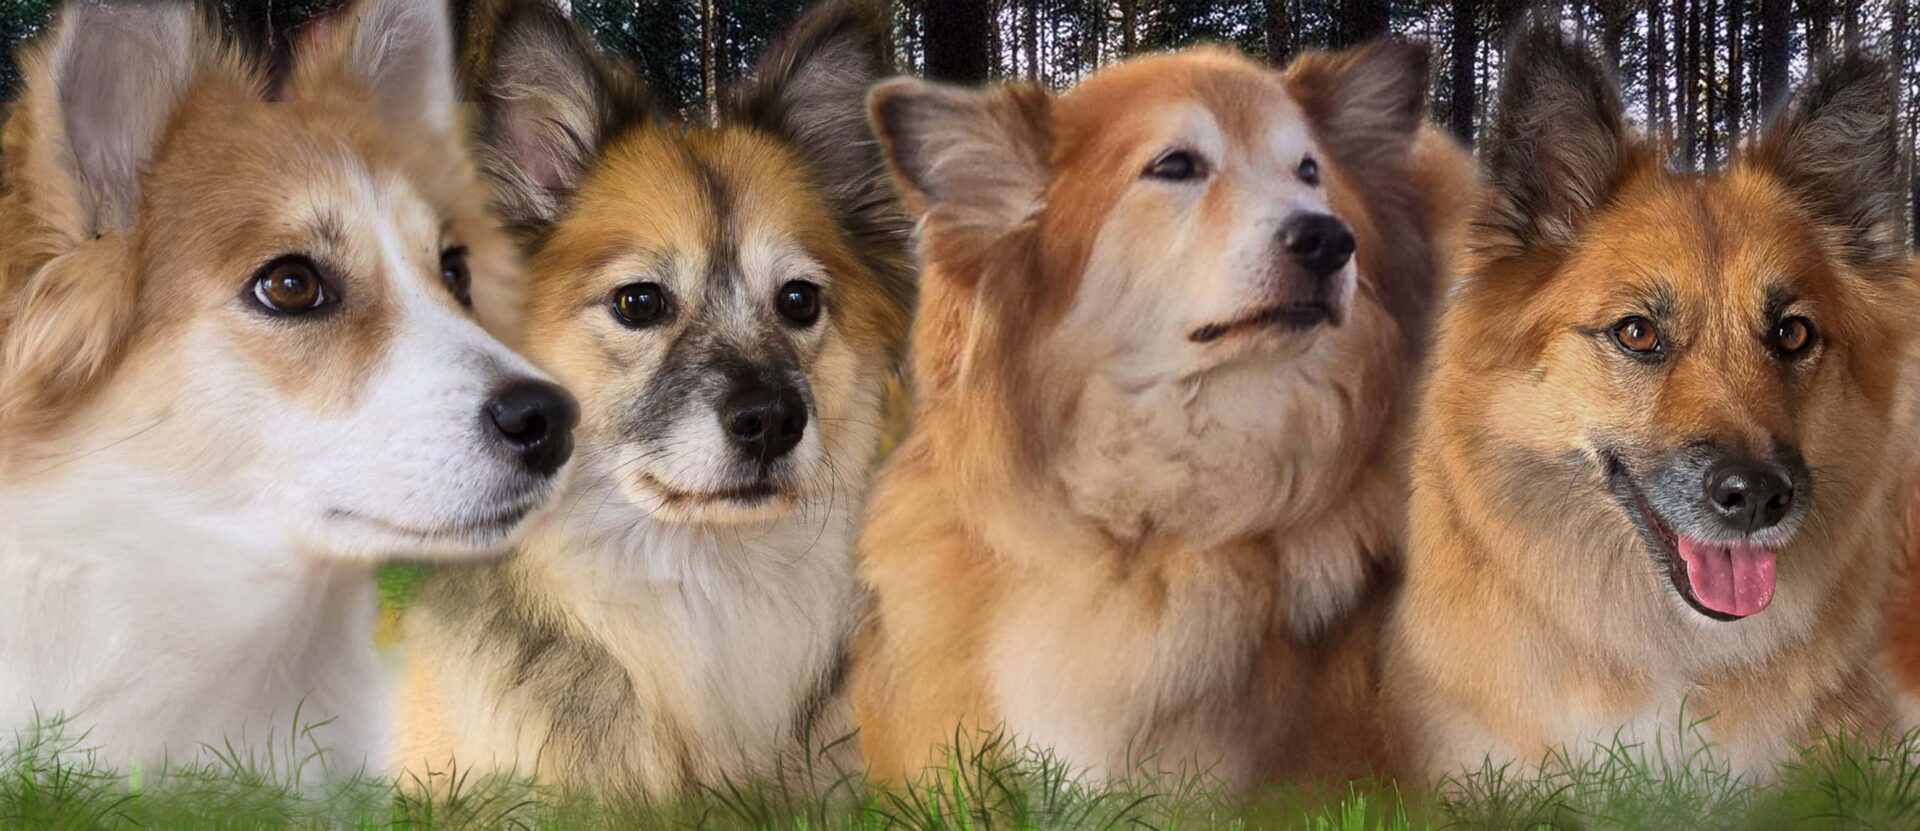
453,272
799,301
1637,336
1177,166
640,304
1308,171
290,286
1792,336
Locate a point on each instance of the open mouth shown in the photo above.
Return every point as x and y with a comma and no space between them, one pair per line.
1291,317
1723,581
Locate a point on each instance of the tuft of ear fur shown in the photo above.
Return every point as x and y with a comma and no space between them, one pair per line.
101,85
68,326
1834,145
99,90
1366,103
1559,145
400,50
548,101
810,89
974,160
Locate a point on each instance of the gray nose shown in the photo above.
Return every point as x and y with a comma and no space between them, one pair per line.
1320,243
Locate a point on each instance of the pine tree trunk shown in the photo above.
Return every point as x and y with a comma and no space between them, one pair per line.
1031,28
1615,17
709,72
1686,25
1819,14
956,40
1776,37
1657,67
1710,83
1362,20
1279,31
1736,70
1129,26
1462,47
1850,25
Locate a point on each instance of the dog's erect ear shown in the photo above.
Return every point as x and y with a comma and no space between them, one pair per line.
976,160
401,50
1366,103
1559,145
810,88
99,90
548,101
1834,145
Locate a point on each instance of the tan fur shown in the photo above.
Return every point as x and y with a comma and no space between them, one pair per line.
1532,620
73,306
660,633
1021,546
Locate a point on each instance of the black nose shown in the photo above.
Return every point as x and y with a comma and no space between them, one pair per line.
535,420
1749,496
765,422
1320,243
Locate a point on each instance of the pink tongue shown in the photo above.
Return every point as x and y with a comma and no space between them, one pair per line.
1733,580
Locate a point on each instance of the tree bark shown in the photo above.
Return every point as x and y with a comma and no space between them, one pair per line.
1031,29
1462,47
956,45
1362,20
1129,26
1736,70
709,70
1776,35
1657,102
1850,25
1819,14
1279,30
1615,17
1710,82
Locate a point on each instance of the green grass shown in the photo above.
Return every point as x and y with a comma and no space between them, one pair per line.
48,779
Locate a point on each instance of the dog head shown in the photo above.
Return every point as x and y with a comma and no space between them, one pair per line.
726,300
1700,368
267,305
1192,239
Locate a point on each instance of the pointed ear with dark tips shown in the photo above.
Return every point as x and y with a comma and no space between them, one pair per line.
1559,145
973,159
810,89
1365,103
548,101
1834,146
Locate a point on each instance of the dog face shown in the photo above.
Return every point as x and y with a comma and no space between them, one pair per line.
1703,366
1187,226
727,301
273,301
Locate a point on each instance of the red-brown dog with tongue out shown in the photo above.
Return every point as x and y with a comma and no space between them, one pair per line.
1654,482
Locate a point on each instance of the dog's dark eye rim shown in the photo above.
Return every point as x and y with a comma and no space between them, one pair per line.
1177,165
455,274
640,304
1308,170
799,302
1782,332
259,287
1637,337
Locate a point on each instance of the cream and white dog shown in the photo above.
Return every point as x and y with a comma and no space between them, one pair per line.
241,363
